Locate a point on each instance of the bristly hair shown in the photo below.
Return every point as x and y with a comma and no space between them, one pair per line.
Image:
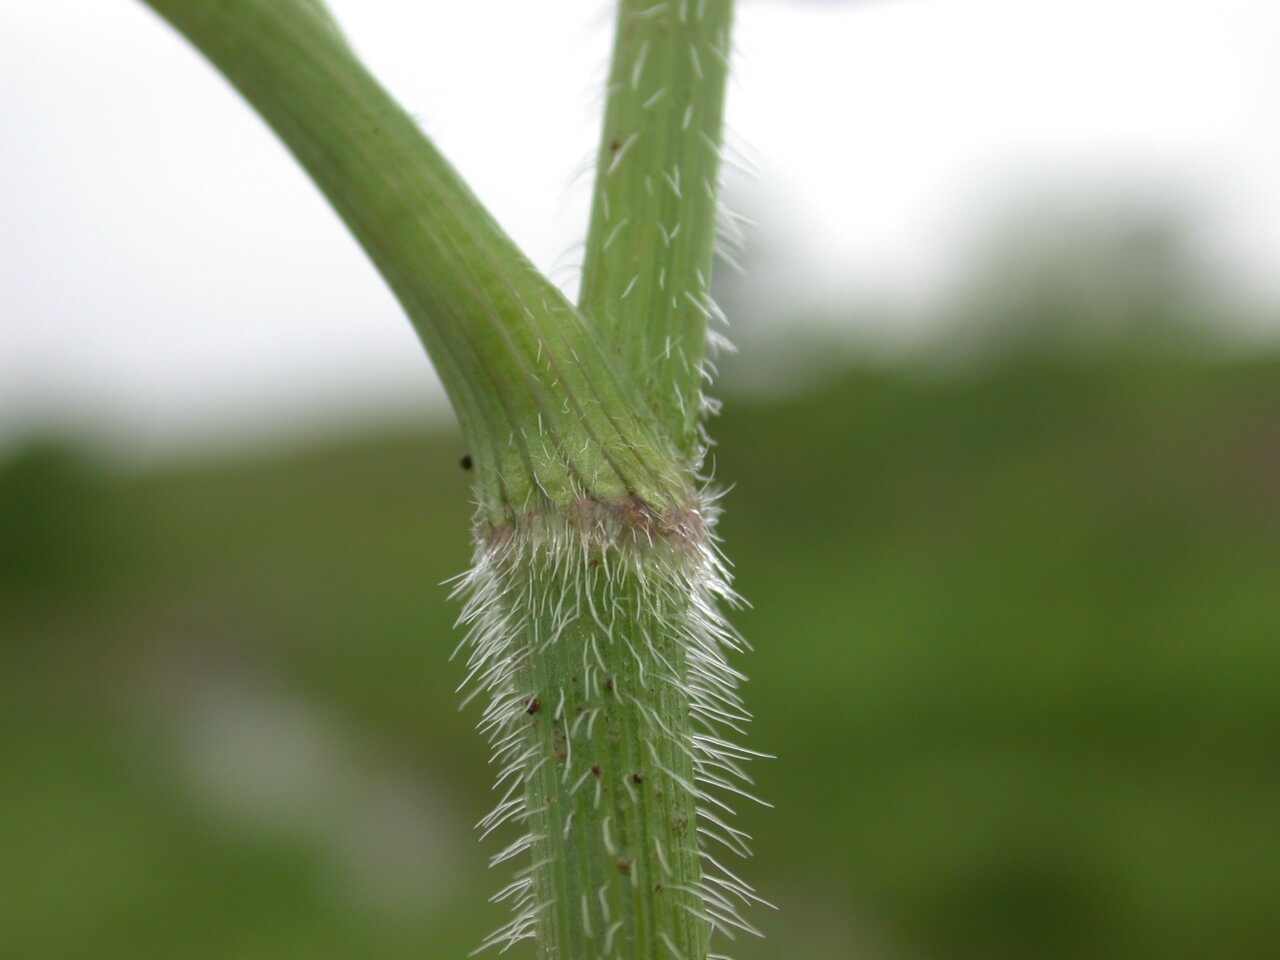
572,620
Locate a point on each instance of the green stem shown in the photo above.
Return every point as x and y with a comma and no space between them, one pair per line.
604,662
548,416
647,272
592,602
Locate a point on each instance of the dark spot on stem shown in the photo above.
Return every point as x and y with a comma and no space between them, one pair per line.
637,778
624,865
595,772
466,461
533,706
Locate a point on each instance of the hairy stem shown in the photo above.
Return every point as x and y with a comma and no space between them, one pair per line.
647,272
604,661
592,605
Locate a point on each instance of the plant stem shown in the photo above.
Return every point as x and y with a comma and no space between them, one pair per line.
602,653
592,602
647,272
548,417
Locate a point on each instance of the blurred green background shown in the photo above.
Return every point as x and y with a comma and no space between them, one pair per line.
1015,616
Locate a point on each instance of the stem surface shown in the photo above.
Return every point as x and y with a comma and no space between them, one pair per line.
647,272
548,415
604,660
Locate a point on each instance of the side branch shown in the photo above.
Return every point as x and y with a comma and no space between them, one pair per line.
647,273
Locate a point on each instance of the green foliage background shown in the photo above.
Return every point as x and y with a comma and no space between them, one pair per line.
1016,651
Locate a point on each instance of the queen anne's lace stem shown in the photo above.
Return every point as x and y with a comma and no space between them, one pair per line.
600,649
593,619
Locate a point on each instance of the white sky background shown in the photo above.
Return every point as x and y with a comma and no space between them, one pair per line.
169,278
